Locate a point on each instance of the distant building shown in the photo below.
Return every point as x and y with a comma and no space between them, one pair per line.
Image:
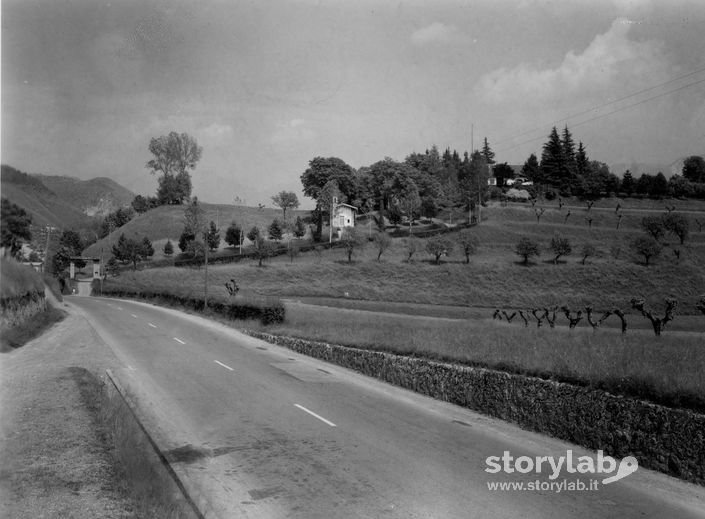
344,215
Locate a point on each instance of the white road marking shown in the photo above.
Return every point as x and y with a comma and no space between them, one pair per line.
179,340
315,415
150,324
224,365
119,308
133,315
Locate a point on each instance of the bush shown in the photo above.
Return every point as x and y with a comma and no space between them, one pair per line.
439,246
526,248
646,246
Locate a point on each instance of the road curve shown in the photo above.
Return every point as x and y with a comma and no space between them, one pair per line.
261,431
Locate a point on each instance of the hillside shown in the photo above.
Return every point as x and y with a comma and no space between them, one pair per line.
94,197
45,206
167,222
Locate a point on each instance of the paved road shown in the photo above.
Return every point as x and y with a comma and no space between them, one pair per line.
259,431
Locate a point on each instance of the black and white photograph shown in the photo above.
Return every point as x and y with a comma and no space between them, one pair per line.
341,259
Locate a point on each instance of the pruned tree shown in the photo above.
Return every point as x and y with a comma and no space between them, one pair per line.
509,317
560,247
382,241
587,250
352,240
658,324
567,215
468,243
526,248
589,221
653,226
622,317
539,214
523,314
285,200
438,246
595,324
646,246
678,225
539,315
497,315
411,246
619,219
572,320
550,314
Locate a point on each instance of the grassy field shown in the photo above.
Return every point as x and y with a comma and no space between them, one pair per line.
444,311
17,279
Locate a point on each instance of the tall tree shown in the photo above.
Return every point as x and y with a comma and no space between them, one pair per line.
694,168
213,236
285,200
323,170
531,170
552,160
581,160
487,152
628,184
568,145
174,155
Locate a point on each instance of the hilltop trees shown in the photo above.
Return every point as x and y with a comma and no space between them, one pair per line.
694,169
174,155
286,200
129,250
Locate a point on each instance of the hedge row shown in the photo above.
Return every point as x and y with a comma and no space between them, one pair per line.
267,311
661,438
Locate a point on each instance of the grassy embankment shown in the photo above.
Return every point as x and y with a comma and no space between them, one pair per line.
17,281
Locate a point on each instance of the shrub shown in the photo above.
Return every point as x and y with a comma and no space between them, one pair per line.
560,247
526,248
653,226
168,248
646,246
439,246
587,250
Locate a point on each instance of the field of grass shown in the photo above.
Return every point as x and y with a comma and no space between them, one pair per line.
666,370
444,311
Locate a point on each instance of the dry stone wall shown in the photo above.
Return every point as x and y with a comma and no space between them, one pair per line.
661,438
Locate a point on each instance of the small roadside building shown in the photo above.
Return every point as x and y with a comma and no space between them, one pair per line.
344,215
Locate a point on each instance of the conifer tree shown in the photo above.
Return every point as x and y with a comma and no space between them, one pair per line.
487,152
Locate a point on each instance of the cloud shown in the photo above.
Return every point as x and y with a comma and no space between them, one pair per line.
610,62
217,132
436,33
294,130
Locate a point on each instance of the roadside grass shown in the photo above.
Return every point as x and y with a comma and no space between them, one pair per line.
18,336
666,370
17,280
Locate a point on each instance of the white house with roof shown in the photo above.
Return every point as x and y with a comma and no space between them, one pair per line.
344,215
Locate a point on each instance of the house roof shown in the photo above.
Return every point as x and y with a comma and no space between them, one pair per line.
346,205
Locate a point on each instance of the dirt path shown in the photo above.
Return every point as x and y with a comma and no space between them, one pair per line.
54,460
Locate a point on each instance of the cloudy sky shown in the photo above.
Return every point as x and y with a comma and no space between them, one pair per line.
266,86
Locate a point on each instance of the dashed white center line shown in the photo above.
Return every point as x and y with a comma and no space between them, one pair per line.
179,340
133,315
150,324
224,365
315,415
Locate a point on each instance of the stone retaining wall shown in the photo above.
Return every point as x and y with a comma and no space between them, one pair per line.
661,438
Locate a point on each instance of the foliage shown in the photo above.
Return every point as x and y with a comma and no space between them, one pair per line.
677,224
352,240
502,172
275,230
14,226
526,248
115,220
128,250
299,228
186,237
213,236
438,246
141,204
195,219
587,250
646,246
382,241
253,233
168,248
560,247
233,234
174,155
286,200
653,226
694,169
263,249
320,172
468,243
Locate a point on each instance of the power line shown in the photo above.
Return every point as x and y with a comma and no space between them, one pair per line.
578,114
683,87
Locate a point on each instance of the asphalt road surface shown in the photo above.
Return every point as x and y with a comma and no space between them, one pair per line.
259,431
